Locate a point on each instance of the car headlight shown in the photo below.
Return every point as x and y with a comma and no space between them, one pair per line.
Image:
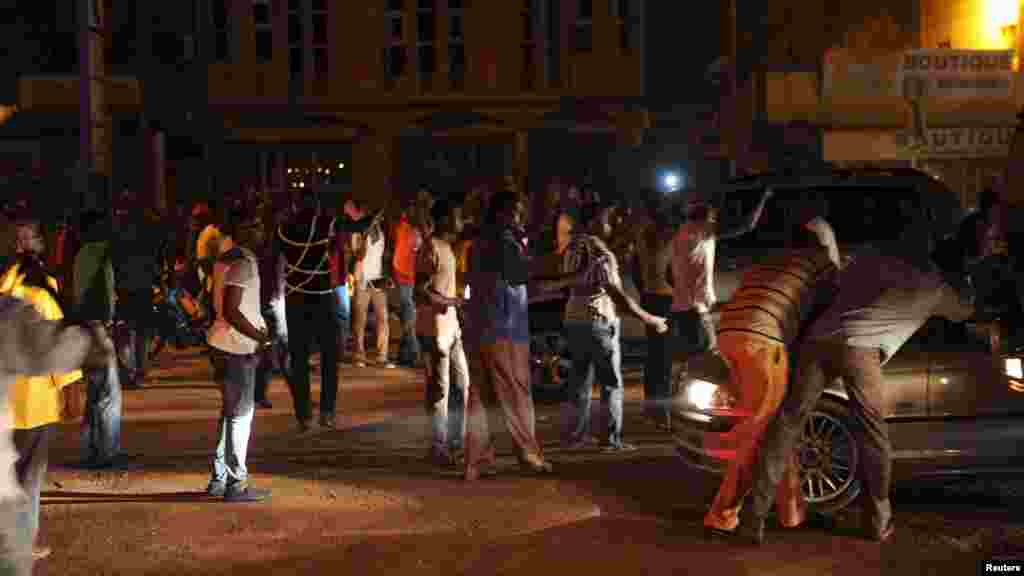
1013,368
704,395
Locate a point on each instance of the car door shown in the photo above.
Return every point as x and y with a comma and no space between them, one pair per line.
906,380
964,379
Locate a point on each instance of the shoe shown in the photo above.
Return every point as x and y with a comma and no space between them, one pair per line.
328,421
305,426
618,448
535,464
483,469
581,445
442,458
41,552
245,493
883,535
750,531
387,365
216,489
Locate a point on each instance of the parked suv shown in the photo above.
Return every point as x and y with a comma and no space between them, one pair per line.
954,394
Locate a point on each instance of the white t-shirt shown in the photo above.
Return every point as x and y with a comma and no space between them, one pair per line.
438,260
371,267
693,268
237,267
827,237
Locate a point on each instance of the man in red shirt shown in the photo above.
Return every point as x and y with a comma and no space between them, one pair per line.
406,242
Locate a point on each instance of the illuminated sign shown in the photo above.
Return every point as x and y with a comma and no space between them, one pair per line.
968,142
965,74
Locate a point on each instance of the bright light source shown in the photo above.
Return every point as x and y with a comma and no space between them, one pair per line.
341,165
671,181
701,394
1013,368
302,184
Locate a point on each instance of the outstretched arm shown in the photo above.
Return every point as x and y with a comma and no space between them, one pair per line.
750,223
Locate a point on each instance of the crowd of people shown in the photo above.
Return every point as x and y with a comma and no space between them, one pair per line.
269,294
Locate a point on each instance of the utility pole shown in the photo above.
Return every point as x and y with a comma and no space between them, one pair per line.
94,133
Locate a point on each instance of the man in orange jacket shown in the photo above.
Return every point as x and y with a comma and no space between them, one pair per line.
406,244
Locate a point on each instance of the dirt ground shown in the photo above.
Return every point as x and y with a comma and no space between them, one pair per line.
362,500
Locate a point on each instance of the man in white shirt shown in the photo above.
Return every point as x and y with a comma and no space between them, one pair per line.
371,284
237,335
693,274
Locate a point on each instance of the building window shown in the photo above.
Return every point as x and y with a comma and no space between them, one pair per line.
221,31
320,45
425,43
620,13
394,49
528,46
296,46
456,45
264,30
583,31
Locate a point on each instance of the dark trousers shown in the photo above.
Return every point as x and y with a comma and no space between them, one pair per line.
136,308
818,364
33,447
312,319
658,364
269,358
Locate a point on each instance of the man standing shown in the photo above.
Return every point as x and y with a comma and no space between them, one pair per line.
594,328
655,266
237,334
138,259
407,240
94,301
756,329
693,273
371,286
882,301
272,289
497,329
448,359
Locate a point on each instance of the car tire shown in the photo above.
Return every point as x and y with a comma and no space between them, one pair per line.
833,412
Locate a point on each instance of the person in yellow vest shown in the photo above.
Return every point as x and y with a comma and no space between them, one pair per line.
34,401
757,326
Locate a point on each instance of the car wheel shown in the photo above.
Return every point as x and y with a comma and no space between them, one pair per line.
828,458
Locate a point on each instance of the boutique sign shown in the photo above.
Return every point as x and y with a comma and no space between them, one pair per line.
964,142
956,74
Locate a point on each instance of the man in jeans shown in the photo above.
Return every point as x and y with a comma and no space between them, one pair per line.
594,328
407,242
94,301
655,266
437,264
882,301
237,335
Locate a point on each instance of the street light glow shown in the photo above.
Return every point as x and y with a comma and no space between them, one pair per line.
341,165
671,181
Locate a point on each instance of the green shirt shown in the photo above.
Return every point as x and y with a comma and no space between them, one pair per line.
94,282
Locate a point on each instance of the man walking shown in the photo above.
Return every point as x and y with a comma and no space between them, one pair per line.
94,301
594,328
693,274
237,334
881,302
497,330
448,363
756,329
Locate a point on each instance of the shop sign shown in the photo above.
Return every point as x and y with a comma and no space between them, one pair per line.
964,142
943,73
849,74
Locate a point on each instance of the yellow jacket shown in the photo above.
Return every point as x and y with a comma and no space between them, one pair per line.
35,401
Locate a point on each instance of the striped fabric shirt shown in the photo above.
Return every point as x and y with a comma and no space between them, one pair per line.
777,296
591,301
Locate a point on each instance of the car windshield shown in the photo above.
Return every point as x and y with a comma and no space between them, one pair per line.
859,215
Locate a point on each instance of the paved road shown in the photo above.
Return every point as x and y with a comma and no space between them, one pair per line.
362,500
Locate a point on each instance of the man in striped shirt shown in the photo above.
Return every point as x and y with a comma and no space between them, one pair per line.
756,328
594,329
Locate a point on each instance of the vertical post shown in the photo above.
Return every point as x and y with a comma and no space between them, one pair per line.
85,74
